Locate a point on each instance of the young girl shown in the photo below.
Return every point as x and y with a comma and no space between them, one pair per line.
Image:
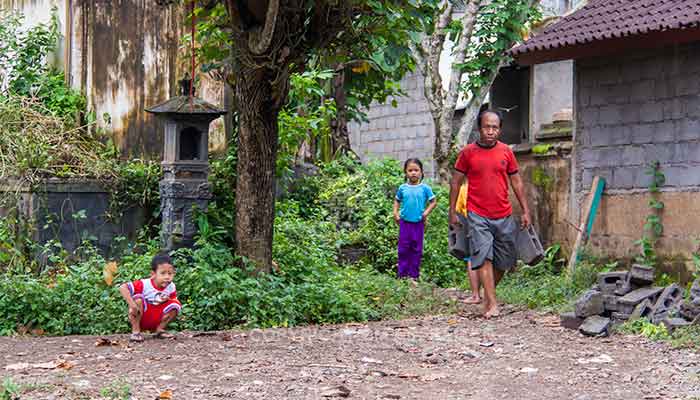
410,212
461,208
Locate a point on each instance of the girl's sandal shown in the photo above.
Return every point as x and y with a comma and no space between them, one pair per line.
163,335
136,337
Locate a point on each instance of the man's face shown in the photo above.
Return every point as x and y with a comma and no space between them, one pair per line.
163,275
490,128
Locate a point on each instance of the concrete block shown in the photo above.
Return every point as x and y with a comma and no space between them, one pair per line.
649,112
670,298
623,287
632,155
689,311
642,310
687,129
625,178
595,326
627,302
644,133
695,290
610,302
672,324
618,316
642,274
612,114
674,108
569,320
640,91
590,303
607,281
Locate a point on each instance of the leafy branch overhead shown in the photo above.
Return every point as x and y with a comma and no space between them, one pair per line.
477,34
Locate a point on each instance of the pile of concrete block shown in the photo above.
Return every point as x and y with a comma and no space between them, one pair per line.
628,295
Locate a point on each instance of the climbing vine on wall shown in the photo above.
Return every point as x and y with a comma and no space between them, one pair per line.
653,227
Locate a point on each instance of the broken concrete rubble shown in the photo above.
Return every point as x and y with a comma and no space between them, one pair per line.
595,326
642,275
668,303
618,297
608,281
627,302
590,303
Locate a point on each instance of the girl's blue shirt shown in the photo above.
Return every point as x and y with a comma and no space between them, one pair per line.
413,199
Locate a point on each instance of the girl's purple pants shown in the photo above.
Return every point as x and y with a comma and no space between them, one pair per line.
410,248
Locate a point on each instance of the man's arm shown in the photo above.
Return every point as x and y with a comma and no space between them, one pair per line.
517,183
455,185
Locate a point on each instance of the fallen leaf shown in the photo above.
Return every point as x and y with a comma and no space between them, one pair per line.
109,271
451,321
64,365
106,342
165,395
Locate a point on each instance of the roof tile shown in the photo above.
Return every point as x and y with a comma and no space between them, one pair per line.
603,19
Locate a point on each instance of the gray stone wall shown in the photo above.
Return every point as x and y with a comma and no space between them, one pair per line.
398,132
635,109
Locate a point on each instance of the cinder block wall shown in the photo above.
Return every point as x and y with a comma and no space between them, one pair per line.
402,132
632,110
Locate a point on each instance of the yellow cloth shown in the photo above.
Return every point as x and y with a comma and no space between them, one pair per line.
461,206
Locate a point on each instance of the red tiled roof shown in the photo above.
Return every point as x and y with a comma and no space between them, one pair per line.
601,20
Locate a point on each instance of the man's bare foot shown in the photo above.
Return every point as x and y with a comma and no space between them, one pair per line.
136,337
492,312
472,300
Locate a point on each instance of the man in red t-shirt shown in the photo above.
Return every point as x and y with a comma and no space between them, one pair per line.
488,166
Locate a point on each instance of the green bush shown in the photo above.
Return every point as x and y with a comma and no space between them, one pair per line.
358,199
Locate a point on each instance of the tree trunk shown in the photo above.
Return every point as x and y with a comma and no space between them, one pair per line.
257,152
341,138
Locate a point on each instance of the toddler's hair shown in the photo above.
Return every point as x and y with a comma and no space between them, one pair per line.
418,163
160,259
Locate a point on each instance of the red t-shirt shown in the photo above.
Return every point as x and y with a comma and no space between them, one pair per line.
487,170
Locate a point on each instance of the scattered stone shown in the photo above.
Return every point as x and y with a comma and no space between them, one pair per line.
601,359
595,325
336,391
674,323
590,303
610,302
642,275
642,309
569,320
627,302
607,281
368,360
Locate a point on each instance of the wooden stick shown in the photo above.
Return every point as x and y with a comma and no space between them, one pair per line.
586,224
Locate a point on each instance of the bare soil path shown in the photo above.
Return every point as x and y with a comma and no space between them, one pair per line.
521,355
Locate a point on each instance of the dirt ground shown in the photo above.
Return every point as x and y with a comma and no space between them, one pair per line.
521,355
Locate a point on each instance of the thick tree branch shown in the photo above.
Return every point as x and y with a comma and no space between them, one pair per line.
260,39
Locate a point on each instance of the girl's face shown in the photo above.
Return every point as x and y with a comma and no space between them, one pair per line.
413,172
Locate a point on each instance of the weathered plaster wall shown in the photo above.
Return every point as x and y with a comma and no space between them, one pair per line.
124,55
547,180
632,110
